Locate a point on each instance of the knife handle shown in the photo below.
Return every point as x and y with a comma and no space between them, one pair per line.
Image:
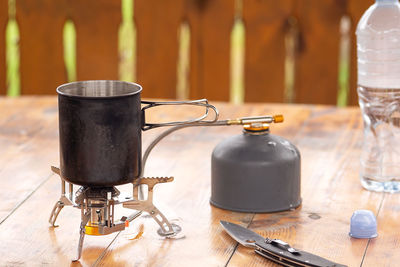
301,258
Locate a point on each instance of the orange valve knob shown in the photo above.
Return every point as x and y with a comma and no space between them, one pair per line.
278,118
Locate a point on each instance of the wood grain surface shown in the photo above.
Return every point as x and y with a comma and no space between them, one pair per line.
41,45
97,24
211,24
328,138
265,49
355,9
268,74
384,250
157,25
318,51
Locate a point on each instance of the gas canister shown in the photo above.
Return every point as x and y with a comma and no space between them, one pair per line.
255,172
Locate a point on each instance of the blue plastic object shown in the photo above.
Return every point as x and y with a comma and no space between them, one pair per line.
363,224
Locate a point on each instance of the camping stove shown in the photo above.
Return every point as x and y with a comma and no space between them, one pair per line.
97,208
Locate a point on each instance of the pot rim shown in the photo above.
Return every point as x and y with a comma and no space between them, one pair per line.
94,89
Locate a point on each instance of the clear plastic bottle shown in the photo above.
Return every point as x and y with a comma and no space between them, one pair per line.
378,57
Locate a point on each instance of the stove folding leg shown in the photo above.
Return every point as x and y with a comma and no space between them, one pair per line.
166,228
83,195
82,232
65,200
54,213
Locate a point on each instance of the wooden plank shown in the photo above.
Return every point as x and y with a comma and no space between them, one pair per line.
211,24
187,199
265,49
28,238
11,117
356,9
317,65
3,25
26,134
330,143
157,24
384,249
330,191
97,24
24,166
41,51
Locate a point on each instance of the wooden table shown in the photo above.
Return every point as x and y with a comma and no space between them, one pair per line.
329,140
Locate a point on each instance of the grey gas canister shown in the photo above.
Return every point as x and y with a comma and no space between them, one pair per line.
255,172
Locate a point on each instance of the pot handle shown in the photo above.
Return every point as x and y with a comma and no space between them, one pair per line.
197,121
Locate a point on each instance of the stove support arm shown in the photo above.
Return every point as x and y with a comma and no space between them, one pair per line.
82,232
54,213
166,228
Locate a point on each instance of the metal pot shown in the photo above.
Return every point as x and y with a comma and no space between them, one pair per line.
100,125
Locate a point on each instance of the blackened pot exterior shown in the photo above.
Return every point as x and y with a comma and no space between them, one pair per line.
100,132
255,173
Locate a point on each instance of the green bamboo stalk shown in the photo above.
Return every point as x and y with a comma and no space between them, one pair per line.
344,62
12,53
291,45
127,43
69,40
182,86
238,36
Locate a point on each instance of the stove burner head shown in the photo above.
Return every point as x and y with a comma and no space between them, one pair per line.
101,193
100,201
97,208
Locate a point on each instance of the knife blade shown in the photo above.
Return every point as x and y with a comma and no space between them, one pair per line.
275,249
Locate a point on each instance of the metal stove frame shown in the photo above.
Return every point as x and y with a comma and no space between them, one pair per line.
97,208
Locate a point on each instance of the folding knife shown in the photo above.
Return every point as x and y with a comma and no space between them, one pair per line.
275,249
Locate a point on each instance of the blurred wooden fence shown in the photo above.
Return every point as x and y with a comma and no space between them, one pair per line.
288,43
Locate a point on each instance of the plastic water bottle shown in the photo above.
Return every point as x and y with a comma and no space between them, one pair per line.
378,55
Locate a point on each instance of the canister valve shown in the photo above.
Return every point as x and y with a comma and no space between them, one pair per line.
257,123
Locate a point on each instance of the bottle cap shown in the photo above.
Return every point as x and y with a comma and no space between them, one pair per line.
363,224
